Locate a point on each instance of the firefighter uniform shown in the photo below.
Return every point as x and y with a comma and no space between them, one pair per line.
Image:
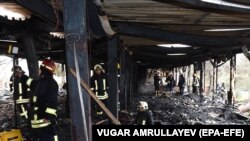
99,86
196,84
22,85
144,116
157,80
45,104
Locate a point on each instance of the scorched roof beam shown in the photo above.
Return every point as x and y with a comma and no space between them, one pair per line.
240,1
162,63
206,6
185,38
157,49
40,8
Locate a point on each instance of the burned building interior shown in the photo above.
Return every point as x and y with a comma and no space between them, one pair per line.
131,39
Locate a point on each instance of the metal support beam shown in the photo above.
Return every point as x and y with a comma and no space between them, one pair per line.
216,81
201,77
75,27
127,80
176,75
231,94
189,79
112,75
122,97
185,38
130,81
213,80
204,76
30,53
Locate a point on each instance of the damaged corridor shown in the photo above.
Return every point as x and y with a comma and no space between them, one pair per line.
131,40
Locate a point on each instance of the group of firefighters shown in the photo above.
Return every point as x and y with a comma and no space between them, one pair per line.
171,83
37,102
37,99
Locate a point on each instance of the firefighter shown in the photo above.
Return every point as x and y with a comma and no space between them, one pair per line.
99,86
181,83
170,82
21,86
144,115
157,80
45,103
196,84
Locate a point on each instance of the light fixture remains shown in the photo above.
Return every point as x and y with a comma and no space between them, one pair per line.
226,29
222,2
138,62
60,35
14,11
174,45
102,63
8,41
176,54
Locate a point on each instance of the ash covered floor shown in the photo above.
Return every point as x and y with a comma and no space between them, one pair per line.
168,109
7,118
191,109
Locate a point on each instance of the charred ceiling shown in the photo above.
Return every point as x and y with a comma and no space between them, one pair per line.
212,30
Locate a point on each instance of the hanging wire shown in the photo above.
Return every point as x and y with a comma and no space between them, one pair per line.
72,39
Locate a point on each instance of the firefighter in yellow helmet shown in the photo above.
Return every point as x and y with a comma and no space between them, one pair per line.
45,103
144,115
99,86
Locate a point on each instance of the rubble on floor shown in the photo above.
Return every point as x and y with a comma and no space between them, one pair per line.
7,118
192,109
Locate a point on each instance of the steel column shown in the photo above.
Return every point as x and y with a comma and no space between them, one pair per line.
112,75
30,53
122,97
75,28
231,94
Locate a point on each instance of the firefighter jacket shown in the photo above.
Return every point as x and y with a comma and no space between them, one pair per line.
157,81
196,82
170,81
45,101
99,86
22,86
144,118
182,81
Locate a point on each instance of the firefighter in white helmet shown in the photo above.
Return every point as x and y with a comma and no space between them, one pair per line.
196,84
144,115
99,86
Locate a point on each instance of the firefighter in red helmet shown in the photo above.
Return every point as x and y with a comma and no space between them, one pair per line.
45,103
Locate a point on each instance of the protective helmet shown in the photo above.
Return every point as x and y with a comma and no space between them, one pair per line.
98,66
49,65
143,104
17,68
